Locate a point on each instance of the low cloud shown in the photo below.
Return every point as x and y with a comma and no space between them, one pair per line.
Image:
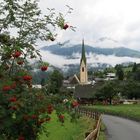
92,58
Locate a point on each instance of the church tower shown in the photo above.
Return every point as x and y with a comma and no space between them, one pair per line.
83,67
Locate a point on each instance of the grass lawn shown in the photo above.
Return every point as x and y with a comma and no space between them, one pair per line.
102,135
68,131
128,111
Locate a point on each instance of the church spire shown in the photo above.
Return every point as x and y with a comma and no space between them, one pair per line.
83,66
83,57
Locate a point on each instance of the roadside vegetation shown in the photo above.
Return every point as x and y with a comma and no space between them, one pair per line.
127,111
102,135
68,131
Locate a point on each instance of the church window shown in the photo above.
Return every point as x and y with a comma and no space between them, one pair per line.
82,69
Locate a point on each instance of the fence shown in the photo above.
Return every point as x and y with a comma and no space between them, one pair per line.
95,115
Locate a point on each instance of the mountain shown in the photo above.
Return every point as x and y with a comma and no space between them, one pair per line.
105,53
73,49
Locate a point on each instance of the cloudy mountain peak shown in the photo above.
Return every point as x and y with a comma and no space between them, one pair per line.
107,42
64,55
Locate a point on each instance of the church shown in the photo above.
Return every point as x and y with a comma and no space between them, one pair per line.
84,90
83,67
83,78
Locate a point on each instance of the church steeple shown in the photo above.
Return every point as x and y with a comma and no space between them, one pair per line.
83,56
83,67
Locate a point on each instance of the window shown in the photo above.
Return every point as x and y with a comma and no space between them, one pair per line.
82,69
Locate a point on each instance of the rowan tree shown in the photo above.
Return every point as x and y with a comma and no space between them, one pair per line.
22,108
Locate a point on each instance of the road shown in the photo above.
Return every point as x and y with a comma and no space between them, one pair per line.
121,129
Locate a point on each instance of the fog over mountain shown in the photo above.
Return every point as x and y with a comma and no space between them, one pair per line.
67,54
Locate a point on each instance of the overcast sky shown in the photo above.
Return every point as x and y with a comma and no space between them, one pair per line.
94,19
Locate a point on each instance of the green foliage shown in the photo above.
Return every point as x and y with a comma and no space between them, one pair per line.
128,111
43,82
126,89
119,72
108,91
102,135
99,74
68,131
55,82
15,105
109,70
136,75
134,67
130,89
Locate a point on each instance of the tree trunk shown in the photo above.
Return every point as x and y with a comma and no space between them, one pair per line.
110,101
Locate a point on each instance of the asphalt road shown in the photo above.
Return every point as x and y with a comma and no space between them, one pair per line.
121,129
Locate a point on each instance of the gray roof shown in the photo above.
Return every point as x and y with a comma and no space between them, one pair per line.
73,80
86,91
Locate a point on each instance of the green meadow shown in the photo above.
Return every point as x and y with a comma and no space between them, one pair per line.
68,131
127,111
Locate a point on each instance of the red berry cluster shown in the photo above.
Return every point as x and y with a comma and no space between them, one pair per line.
49,109
9,87
44,68
20,62
12,99
65,26
61,118
30,117
16,54
75,104
6,88
27,77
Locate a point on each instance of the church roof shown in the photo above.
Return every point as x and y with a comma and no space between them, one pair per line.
84,91
87,91
83,56
74,80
